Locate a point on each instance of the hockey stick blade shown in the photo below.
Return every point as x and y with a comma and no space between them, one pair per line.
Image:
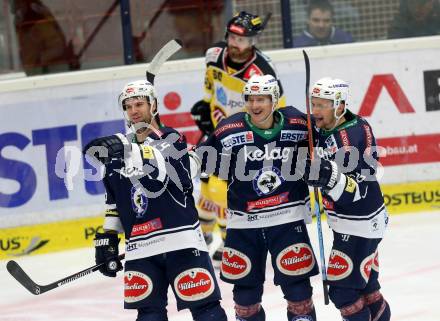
23,278
162,55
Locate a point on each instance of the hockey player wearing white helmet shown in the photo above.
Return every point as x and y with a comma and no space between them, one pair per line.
352,199
139,104
229,65
149,199
261,95
329,100
266,210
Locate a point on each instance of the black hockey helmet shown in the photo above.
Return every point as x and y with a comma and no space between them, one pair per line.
245,24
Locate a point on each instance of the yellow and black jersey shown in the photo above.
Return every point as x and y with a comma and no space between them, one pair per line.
224,84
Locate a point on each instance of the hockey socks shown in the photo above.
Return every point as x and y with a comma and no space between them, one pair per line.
301,311
379,308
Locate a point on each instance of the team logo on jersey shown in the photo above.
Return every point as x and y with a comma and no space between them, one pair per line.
267,180
237,139
147,227
366,266
235,265
221,96
194,284
139,202
296,259
138,286
293,135
339,266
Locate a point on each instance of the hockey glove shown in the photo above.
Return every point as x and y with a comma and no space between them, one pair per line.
106,251
105,148
201,113
319,173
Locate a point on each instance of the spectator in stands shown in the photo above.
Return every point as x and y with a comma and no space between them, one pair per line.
320,29
42,44
416,18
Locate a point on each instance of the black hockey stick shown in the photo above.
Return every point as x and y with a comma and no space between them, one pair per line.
23,278
266,20
170,48
315,189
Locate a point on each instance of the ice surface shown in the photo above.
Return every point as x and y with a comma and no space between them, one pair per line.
409,267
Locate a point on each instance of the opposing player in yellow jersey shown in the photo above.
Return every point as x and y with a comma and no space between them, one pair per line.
229,65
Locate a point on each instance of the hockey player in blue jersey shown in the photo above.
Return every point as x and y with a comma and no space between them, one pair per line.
149,199
265,207
344,169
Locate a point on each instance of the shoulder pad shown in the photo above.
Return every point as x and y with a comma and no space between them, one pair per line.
231,123
212,54
265,64
167,131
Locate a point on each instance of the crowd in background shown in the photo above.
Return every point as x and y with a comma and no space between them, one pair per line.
47,36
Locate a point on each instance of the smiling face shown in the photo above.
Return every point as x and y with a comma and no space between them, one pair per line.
320,23
137,109
323,112
259,108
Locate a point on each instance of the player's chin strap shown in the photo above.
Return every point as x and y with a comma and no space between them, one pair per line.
135,127
271,113
337,118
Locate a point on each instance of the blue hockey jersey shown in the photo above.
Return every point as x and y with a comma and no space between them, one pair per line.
259,167
355,205
149,197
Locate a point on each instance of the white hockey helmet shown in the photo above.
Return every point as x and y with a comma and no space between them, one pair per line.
262,85
332,89
139,88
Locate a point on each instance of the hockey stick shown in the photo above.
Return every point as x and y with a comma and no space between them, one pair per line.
24,279
170,48
315,189
266,20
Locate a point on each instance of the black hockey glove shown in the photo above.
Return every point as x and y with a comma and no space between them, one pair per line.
106,251
105,148
201,113
319,172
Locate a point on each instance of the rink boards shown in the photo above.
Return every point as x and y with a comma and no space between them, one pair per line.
64,235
